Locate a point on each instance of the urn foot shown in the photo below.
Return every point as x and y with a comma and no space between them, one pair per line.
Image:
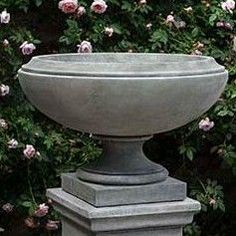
123,163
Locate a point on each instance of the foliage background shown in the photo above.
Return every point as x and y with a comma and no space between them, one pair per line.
206,160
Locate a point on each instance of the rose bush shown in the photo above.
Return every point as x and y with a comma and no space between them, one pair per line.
34,151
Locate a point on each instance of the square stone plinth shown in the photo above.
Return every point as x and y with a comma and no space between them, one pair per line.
107,195
80,218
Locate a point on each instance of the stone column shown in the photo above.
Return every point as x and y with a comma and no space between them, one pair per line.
122,194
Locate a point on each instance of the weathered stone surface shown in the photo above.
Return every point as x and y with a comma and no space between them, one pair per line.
122,94
122,162
69,228
162,219
105,195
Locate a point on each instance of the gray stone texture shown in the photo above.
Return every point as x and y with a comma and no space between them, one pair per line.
123,94
83,219
108,195
122,162
75,230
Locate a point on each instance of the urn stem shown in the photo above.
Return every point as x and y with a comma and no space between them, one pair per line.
123,163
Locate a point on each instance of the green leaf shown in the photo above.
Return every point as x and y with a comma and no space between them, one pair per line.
36,41
27,204
182,150
189,154
212,19
159,36
38,2
195,32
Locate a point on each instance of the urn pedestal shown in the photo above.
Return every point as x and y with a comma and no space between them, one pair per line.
123,99
80,218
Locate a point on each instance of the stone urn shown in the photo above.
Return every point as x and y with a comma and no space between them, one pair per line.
123,99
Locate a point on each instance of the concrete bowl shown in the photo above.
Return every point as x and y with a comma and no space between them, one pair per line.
123,94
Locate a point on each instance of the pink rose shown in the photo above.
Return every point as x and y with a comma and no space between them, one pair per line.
142,2
29,151
27,48
85,47
5,43
42,210
5,17
3,124
199,45
221,152
8,207
80,11
212,201
109,31
220,24
225,25
197,52
4,90
206,124
52,225
98,6
170,19
68,6
12,144
228,5
228,26
149,26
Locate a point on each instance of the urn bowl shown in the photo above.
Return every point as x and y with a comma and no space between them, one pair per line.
122,94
